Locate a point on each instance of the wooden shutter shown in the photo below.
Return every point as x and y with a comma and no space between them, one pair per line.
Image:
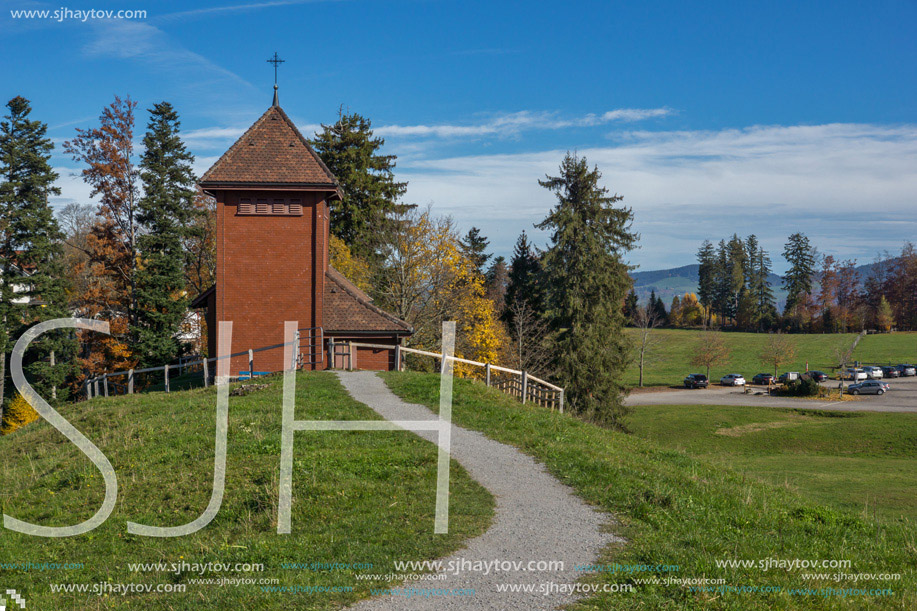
245,206
296,206
279,206
261,207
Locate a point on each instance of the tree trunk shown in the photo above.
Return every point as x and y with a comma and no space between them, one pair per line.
2,380
641,369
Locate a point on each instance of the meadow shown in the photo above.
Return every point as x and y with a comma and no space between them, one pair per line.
669,358
681,510
359,497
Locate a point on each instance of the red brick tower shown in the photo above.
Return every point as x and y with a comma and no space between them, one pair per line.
272,193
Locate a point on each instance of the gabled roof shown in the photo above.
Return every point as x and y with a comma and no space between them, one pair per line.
271,152
348,309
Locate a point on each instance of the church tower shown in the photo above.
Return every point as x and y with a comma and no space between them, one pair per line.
272,195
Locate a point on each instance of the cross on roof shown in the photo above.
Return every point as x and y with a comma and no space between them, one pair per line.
276,61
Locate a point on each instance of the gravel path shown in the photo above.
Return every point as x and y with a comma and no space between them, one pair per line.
537,518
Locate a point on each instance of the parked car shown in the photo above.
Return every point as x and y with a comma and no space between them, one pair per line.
763,379
907,370
869,387
789,376
853,374
873,373
696,380
890,372
732,379
818,376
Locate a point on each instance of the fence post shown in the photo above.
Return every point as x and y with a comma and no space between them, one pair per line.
251,364
88,389
397,357
487,374
331,364
130,382
95,387
350,355
561,400
166,374
105,383
53,388
525,386
206,373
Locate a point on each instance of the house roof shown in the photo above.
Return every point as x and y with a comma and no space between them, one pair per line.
271,152
201,300
347,309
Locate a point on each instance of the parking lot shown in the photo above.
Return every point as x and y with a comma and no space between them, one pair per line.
901,397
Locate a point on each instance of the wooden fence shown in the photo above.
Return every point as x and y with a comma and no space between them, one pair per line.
520,384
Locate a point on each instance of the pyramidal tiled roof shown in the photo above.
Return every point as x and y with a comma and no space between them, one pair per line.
271,152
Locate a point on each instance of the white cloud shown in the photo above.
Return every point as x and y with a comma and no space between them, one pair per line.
852,188
237,8
513,123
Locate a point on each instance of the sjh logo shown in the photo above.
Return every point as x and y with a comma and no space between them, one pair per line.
16,598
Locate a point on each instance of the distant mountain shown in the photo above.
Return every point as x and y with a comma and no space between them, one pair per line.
680,280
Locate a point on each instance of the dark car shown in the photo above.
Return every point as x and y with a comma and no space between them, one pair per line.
762,379
696,380
907,370
869,387
818,376
890,372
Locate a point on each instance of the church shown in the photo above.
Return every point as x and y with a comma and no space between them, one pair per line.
272,195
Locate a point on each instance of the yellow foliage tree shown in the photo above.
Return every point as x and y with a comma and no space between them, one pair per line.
351,267
17,414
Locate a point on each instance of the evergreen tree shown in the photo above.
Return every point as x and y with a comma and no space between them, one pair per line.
524,278
165,210
631,303
588,279
32,280
737,262
706,259
722,282
496,280
798,279
367,179
475,246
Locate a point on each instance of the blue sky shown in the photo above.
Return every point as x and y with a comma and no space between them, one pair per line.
763,117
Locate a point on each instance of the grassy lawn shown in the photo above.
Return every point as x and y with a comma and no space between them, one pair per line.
681,510
670,358
358,497
862,461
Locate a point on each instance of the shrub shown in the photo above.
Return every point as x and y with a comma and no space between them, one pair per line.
17,414
803,387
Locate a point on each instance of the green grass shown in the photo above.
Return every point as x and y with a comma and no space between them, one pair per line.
861,461
677,509
670,358
364,497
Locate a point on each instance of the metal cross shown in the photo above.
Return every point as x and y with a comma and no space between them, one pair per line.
276,61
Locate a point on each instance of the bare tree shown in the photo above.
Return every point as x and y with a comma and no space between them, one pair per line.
646,319
844,353
531,339
778,350
711,350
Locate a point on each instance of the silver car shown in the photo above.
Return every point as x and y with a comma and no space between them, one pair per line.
874,373
869,387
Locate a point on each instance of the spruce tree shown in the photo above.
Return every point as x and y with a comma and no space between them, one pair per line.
631,304
32,278
588,279
706,277
475,247
367,179
165,210
525,282
798,279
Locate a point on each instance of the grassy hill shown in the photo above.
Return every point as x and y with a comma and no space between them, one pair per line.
358,497
680,510
670,357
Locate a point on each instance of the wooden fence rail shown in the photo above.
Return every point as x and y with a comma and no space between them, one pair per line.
520,384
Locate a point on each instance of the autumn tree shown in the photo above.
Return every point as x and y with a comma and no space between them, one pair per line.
367,179
107,152
165,212
779,349
587,280
32,280
710,350
351,267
